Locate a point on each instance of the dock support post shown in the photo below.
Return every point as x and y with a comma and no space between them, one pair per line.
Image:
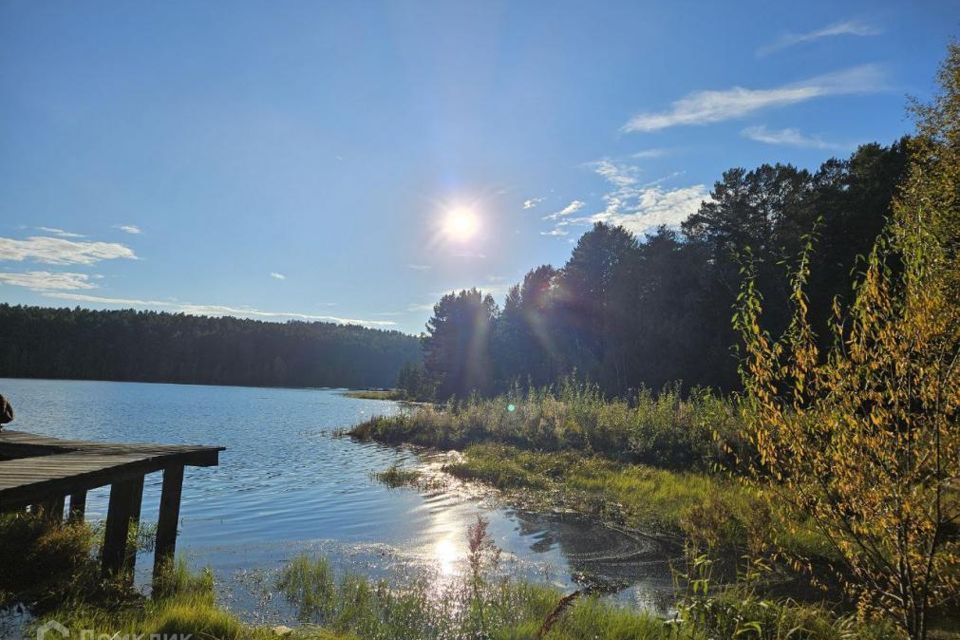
78,506
118,557
51,510
169,517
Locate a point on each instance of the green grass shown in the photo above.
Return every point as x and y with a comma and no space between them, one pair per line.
398,477
480,603
375,394
351,607
714,511
663,430
189,608
649,462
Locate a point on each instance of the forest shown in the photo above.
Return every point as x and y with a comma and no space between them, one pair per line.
770,391
627,313
146,346
624,313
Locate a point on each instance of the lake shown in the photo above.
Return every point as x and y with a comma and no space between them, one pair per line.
287,484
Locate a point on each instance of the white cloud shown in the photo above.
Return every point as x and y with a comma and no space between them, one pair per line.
640,208
789,137
532,202
61,251
47,281
655,206
846,28
419,267
620,175
556,232
426,306
129,228
60,232
703,107
214,309
277,276
568,210
648,153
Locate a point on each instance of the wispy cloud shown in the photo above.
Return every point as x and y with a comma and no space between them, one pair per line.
62,251
845,28
556,232
277,276
648,153
214,309
641,207
532,202
617,174
60,232
704,107
655,206
568,210
788,137
421,306
419,267
129,228
47,281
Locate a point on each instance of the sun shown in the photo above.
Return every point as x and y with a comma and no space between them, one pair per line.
461,224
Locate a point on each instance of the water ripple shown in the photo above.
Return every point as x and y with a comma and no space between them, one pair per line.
287,485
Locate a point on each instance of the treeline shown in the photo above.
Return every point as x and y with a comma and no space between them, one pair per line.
147,346
627,313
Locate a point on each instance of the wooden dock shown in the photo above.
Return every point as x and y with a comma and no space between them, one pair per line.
39,472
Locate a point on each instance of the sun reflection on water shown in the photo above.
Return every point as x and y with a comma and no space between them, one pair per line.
447,554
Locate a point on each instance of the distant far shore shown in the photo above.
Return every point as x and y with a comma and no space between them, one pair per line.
375,394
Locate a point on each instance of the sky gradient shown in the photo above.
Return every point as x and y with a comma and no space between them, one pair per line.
300,160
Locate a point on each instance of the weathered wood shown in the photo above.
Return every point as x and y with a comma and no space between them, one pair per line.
133,531
39,471
14,443
50,467
123,510
169,518
78,506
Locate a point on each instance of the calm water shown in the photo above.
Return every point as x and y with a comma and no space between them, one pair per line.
286,485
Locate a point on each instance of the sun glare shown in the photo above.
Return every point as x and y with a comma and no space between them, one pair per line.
445,554
461,224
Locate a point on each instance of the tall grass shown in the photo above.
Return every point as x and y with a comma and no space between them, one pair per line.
479,603
663,429
352,607
42,565
712,512
648,462
187,609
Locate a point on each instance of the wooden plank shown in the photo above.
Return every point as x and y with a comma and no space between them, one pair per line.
136,504
37,470
124,506
78,506
169,518
28,480
10,440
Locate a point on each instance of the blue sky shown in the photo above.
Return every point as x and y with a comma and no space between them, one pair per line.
302,159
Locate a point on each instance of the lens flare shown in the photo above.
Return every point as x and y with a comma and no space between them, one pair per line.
461,224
